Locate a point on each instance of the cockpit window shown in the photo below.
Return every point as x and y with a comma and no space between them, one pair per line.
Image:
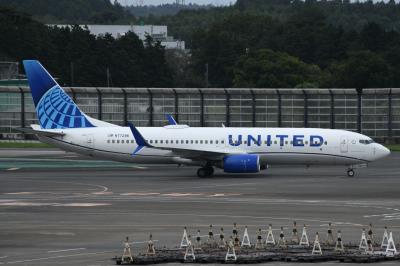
366,141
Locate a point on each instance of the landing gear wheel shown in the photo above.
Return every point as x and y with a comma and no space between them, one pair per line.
350,173
202,172
205,172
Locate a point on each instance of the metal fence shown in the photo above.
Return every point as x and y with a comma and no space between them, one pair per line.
373,112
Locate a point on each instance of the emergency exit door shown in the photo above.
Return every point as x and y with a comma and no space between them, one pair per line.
344,145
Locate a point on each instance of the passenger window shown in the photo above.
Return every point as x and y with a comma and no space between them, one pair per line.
265,142
326,143
108,141
161,141
187,142
306,142
113,141
156,141
117,140
222,141
286,142
132,141
166,142
245,142
122,141
216,142
182,141
275,142
201,141
197,142
177,141
206,141
191,141
211,142
151,141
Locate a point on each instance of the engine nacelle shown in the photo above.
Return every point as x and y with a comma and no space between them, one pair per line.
242,163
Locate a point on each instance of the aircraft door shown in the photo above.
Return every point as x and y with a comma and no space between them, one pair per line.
344,145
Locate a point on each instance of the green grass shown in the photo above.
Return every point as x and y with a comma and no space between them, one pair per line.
24,145
393,147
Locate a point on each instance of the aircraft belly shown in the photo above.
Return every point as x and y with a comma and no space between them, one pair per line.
307,159
128,158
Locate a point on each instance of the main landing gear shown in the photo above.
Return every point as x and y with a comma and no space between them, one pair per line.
205,171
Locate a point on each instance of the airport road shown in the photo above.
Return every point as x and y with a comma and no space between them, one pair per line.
58,208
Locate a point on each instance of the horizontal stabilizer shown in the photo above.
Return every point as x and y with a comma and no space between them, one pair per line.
46,133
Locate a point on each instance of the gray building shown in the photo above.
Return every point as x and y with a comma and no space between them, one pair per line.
374,112
157,32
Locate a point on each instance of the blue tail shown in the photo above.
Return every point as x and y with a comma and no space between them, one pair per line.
54,108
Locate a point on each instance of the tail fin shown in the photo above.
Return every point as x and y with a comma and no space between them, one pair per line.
54,108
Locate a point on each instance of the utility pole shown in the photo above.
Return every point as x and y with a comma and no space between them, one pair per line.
72,73
206,76
108,77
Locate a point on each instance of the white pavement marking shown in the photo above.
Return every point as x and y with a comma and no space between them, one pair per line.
182,194
142,242
385,216
104,189
12,169
139,167
59,257
3,257
56,233
65,250
140,194
54,204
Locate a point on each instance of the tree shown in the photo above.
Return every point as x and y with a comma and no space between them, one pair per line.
268,69
361,69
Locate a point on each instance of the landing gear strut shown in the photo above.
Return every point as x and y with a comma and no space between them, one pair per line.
205,171
350,173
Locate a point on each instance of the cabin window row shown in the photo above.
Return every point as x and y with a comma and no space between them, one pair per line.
186,141
122,141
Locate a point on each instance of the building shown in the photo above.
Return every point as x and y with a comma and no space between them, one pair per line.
157,32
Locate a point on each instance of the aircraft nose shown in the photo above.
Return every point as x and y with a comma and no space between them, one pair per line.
381,151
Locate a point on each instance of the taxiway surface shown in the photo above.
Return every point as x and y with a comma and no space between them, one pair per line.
58,208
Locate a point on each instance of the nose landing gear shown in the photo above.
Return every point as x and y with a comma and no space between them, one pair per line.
350,173
205,171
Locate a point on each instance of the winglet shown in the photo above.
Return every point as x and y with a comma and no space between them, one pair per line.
138,138
171,120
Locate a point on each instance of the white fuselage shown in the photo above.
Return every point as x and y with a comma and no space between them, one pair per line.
330,147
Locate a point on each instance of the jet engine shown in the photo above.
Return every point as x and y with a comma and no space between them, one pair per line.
241,163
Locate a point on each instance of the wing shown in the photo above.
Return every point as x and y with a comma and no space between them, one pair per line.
209,153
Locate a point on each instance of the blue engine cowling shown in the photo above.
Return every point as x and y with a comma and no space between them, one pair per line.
242,163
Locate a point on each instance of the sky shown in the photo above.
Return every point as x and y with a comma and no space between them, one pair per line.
158,2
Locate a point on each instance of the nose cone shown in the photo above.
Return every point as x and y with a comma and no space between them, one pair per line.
381,152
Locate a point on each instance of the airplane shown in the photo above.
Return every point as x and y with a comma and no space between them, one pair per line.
232,149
